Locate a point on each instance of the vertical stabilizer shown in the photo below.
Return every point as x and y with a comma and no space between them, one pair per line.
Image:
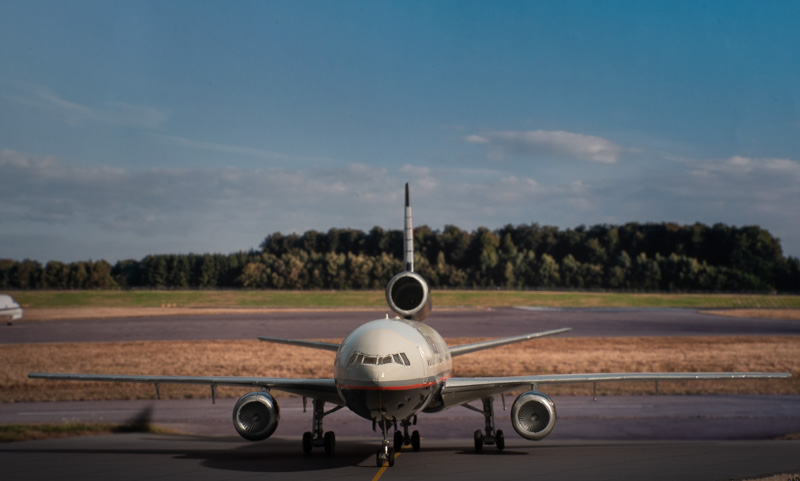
408,239
407,293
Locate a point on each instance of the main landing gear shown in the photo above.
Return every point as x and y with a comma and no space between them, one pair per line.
403,439
319,437
489,436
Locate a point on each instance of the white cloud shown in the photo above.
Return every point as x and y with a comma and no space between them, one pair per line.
10,158
748,168
538,143
476,139
226,209
78,212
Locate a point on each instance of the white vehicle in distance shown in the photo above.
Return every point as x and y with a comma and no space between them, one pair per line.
9,310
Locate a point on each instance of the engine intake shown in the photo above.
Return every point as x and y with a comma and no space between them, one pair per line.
256,416
533,415
408,295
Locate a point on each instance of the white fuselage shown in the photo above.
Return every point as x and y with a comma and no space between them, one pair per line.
391,368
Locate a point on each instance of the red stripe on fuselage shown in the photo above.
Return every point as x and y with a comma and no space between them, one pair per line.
394,388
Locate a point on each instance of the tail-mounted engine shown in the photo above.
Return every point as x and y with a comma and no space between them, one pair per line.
533,415
408,295
256,416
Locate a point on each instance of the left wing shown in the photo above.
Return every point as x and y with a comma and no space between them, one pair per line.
463,390
321,389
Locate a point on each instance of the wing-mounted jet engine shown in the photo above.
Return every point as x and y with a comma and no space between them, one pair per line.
533,415
407,293
256,416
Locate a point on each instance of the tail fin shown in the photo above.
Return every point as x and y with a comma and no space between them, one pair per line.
408,240
407,293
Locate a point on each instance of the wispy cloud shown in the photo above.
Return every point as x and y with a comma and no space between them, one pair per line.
538,143
225,148
76,113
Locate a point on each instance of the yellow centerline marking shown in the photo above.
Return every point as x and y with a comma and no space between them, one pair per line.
386,463
384,468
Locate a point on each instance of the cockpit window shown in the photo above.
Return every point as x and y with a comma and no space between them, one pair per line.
358,358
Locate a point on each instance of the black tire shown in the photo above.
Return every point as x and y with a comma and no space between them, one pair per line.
330,442
391,457
478,441
379,458
415,441
398,440
307,442
500,440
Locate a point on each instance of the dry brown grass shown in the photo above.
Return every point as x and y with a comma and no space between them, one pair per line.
646,354
786,314
254,358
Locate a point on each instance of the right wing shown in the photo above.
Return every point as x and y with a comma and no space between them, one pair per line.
325,346
321,389
477,346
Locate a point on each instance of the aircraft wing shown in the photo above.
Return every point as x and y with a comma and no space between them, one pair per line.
477,346
321,389
458,391
325,346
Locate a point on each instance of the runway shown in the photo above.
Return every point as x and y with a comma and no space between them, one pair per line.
450,323
615,437
146,456
620,418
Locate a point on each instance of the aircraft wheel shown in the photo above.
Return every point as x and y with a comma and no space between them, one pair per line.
478,441
330,442
398,440
415,440
500,440
307,442
385,455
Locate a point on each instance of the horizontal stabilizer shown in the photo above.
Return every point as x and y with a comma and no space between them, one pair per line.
325,346
467,348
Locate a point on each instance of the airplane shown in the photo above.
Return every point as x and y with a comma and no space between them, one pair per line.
390,370
9,310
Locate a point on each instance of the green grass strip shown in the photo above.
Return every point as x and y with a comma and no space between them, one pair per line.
376,299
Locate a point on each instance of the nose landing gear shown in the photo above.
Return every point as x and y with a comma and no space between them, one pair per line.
385,454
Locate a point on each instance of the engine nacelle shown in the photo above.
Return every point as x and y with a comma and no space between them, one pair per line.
409,296
256,416
533,415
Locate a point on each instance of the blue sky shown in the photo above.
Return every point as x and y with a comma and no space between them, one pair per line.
135,128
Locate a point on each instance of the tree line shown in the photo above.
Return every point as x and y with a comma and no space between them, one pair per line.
639,257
